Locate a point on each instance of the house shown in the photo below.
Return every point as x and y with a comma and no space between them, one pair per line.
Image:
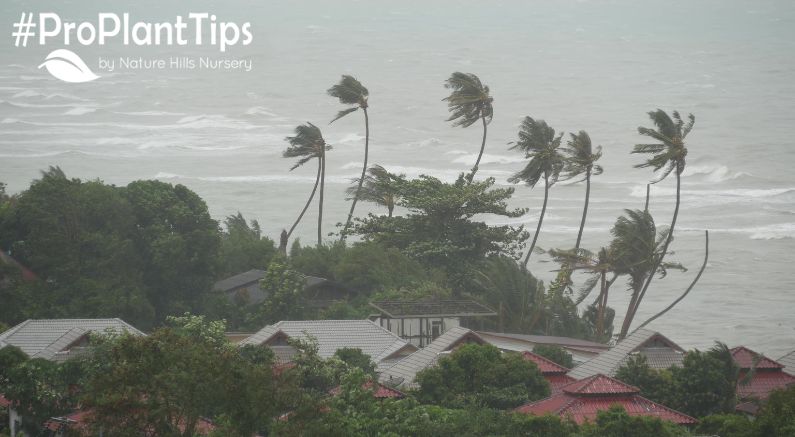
383,347
421,321
403,373
660,353
60,339
788,361
768,375
244,288
582,400
580,350
554,373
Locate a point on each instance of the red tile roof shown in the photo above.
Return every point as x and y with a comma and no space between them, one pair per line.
745,357
558,381
764,382
582,400
544,365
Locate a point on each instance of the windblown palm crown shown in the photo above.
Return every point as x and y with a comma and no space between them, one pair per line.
540,144
581,157
469,100
669,154
350,92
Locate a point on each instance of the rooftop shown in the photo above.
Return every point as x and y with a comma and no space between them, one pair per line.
582,400
660,352
47,338
332,335
432,308
745,358
239,280
565,342
404,371
788,361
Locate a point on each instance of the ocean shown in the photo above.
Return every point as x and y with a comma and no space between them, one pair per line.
598,66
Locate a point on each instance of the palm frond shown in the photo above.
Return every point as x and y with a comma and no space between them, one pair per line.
350,91
343,113
469,100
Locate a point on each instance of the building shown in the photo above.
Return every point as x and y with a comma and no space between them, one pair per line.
554,373
580,350
383,347
27,275
660,353
788,361
244,289
404,372
581,401
60,339
756,385
55,340
422,321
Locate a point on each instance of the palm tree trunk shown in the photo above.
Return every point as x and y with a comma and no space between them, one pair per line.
634,308
585,209
320,199
471,176
540,219
692,284
600,310
311,196
361,178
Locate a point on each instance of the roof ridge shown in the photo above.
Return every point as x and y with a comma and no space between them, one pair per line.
11,331
669,409
547,360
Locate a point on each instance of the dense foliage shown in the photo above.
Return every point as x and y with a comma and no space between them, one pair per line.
481,375
705,383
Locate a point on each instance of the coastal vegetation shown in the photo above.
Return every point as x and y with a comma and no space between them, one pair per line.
149,251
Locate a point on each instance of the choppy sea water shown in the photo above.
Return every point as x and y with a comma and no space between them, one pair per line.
592,65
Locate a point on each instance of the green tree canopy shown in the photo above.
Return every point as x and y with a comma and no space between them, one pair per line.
481,375
443,229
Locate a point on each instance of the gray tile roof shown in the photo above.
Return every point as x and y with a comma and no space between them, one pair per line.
331,335
522,342
239,280
47,338
788,361
406,369
432,307
650,343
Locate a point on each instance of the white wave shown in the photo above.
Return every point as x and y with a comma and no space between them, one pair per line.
640,191
469,159
291,178
80,110
775,231
260,110
31,93
213,121
428,142
447,175
32,155
350,138
151,113
713,172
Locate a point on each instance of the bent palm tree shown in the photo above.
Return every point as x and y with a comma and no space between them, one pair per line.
669,156
351,92
581,159
599,266
380,187
308,144
469,102
637,248
539,143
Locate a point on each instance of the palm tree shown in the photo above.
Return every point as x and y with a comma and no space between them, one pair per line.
308,144
469,102
636,248
351,92
515,292
599,266
540,145
380,187
668,156
581,159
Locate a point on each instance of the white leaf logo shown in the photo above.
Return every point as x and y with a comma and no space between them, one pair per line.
67,66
